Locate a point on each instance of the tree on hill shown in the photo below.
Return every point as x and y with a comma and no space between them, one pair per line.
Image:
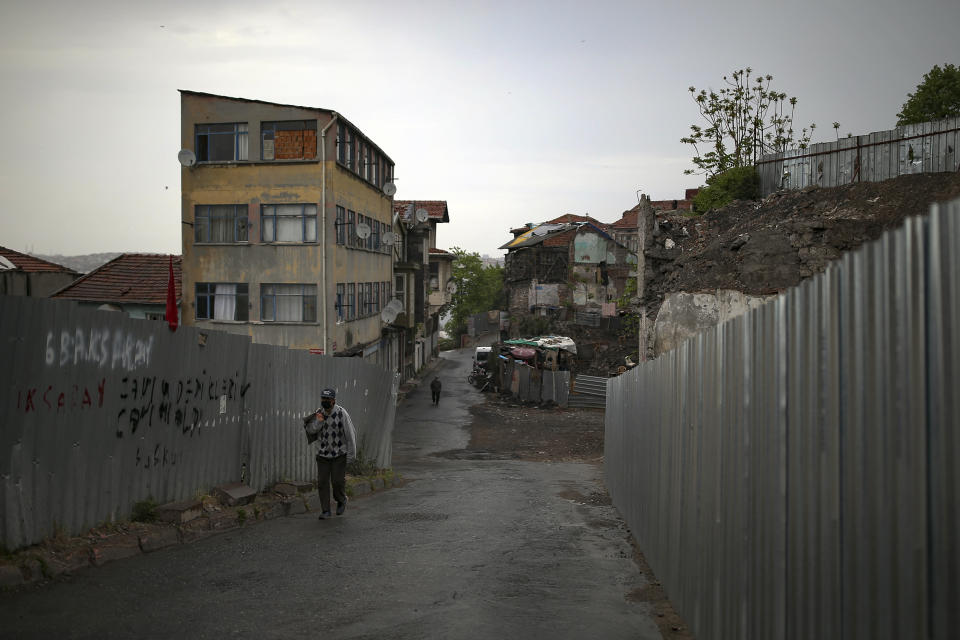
479,289
744,120
936,97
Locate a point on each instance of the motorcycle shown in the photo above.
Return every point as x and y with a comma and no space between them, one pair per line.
480,378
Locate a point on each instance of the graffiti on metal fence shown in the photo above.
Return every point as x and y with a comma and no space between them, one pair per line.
146,398
160,456
98,346
71,397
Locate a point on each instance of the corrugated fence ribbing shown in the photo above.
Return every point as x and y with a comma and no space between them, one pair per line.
100,411
793,472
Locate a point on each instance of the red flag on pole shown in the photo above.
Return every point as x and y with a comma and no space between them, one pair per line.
171,316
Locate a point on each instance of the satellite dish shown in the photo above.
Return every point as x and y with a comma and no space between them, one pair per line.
389,189
363,231
391,311
388,315
186,158
451,287
422,215
389,238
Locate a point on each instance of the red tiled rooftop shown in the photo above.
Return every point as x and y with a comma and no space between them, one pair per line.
130,278
23,262
437,209
560,239
572,217
628,221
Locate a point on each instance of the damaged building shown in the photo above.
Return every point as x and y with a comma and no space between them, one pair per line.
565,266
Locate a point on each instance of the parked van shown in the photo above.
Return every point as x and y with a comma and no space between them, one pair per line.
480,356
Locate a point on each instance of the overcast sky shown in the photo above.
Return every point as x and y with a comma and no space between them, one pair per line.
512,112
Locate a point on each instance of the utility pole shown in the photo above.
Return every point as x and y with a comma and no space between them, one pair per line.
644,213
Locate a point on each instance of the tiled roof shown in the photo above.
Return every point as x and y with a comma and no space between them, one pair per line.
440,253
23,262
628,221
437,209
560,239
129,278
572,217
553,234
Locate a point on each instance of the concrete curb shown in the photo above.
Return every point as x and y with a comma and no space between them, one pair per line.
64,556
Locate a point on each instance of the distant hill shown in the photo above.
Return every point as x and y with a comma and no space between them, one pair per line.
83,264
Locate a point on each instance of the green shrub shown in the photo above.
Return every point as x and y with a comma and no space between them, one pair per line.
144,511
529,325
363,465
739,183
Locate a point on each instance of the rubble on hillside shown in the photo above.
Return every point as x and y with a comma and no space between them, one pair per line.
768,246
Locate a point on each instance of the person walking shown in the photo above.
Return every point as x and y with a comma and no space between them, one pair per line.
336,439
435,387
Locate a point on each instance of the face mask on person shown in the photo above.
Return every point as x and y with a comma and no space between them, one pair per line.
326,404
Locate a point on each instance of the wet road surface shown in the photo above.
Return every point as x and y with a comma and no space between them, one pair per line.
465,549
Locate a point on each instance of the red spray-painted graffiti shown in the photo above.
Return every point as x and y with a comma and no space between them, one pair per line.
61,399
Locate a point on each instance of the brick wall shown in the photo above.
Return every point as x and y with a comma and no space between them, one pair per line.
672,205
518,297
295,145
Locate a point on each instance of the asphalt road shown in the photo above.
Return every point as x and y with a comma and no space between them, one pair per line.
467,548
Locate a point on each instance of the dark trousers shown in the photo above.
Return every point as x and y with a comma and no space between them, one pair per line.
436,397
331,470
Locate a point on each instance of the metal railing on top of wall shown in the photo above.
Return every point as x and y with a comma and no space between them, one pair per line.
100,411
792,473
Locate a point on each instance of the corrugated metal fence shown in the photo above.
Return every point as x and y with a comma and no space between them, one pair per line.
100,411
929,147
534,385
793,472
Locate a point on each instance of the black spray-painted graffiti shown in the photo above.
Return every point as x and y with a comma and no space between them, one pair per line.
182,402
161,456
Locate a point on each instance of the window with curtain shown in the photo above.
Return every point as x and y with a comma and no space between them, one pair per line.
222,142
288,223
222,301
220,223
288,302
